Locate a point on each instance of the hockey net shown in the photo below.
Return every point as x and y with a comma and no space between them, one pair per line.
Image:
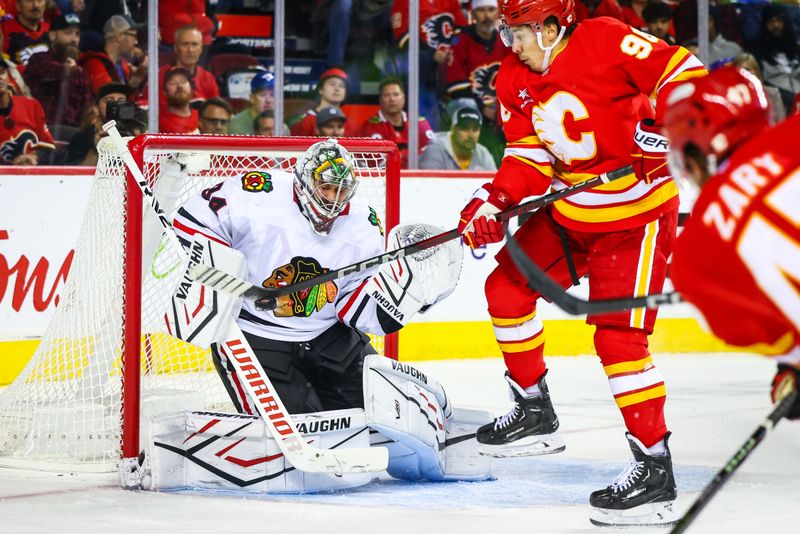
105,363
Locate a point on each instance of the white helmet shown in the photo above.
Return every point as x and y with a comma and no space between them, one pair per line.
324,183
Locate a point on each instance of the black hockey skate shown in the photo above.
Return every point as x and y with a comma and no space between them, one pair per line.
529,429
641,495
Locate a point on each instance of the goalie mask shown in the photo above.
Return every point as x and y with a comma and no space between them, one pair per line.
324,183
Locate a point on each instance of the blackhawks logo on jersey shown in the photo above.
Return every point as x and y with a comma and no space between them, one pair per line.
375,220
306,301
255,181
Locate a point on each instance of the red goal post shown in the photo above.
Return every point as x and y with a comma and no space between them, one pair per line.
105,364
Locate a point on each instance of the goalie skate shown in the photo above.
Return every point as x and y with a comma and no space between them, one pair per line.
529,429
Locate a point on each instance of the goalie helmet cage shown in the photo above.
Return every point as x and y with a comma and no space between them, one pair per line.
105,363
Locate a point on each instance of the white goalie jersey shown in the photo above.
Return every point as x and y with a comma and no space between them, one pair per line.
257,215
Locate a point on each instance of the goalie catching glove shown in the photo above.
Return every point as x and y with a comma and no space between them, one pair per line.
414,283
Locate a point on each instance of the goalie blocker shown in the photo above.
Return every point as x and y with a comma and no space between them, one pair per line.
406,411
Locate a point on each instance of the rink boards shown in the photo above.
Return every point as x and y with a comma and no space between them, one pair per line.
41,209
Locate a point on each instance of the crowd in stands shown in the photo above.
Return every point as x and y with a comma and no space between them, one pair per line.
67,66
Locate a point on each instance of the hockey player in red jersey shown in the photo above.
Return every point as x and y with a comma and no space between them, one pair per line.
575,102
738,257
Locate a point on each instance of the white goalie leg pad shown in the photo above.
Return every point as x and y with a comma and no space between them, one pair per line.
414,283
431,439
237,453
198,314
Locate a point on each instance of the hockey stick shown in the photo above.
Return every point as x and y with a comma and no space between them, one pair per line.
256,382
222,281
780,410
539,281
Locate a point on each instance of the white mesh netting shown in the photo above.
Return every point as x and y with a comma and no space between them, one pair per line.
63,411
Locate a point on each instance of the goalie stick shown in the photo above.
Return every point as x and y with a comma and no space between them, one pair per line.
251,373
539,281
738,458
222,281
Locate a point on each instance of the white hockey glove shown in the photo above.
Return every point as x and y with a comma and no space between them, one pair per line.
414,283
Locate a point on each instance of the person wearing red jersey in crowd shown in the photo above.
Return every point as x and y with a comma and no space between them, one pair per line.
744,219
475,58
26,34
472,70
55,79
188,49
391,122
332,91
574,104
173,14
23,129
113,63
178,115
439,21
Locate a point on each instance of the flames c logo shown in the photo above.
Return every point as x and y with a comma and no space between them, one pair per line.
24,142
439,30
483,80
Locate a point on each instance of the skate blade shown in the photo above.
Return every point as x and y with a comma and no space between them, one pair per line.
528,446
659,514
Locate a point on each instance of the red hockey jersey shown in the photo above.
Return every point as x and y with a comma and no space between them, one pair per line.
24,130
473,66
578,119
378,127
738,257
438,20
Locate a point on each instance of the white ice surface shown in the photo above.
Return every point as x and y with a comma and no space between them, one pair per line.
714,403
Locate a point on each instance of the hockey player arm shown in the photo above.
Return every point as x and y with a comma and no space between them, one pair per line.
386,302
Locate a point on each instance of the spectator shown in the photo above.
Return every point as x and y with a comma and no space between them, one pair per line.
332,17
778,52
26,34
55,79
18,85
476,57
264,124
82,149
332,91
23,129
633,13
719,47
113,63
215,117
262,98
173,14
777,110
97,12
472,70
459,149
658,18
438,24
330,122
692,46
391,122
188,49
178,116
